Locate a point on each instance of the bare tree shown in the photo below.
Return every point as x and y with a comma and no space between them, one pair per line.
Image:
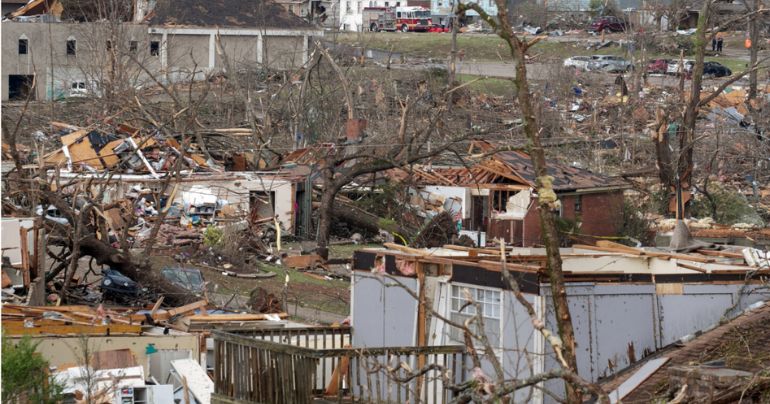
547,200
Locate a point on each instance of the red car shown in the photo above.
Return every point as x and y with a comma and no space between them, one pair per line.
657,66
608,24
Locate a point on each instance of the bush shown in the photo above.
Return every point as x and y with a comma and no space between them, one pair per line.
636,226
25,374
731,207
213,236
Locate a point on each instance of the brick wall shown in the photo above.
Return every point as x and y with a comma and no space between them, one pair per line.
601,214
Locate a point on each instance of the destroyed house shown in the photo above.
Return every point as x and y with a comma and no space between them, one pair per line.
625,303
56,49
496,198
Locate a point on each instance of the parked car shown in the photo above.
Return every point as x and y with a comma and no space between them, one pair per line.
608,24
658,66
715,69
578,62
673,67
610,64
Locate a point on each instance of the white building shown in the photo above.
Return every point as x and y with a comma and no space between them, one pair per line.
351,12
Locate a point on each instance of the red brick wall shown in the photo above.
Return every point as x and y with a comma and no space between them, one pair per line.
601,215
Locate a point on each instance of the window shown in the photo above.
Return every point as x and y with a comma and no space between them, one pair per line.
23,46
71,47
109,45
578,203
488,300
359,7
154,48
133,46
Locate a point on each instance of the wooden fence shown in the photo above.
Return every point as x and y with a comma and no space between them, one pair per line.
255,369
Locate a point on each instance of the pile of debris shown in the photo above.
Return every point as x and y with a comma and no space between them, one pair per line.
19,320
121,148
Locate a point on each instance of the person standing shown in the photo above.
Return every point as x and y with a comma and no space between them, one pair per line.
720,42
714,43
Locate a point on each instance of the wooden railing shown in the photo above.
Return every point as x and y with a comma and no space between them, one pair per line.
252,369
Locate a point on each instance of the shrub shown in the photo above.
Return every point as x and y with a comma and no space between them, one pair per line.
25,374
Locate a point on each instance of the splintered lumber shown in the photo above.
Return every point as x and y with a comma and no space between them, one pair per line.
720,253
161,315
405,249
214,318
18,328
611,247
472,251
340,373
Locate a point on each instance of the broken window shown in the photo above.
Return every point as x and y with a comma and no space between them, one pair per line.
23,46
133,46
154,48
71,47
488,300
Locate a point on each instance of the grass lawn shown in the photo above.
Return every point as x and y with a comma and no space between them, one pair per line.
489,85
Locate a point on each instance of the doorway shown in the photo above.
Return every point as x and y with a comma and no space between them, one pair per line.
21,87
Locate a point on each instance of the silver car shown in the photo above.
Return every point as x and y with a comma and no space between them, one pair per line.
578,62
610,64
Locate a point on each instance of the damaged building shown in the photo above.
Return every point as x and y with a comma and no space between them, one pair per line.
496,197
625,303
55,50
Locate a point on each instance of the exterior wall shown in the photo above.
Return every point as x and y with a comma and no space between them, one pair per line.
186,53
611,321
242,51
441,9
181,51
601,215
351,12
283,52
90,64
66,351
382,315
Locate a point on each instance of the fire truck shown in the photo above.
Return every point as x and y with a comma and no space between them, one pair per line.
404,19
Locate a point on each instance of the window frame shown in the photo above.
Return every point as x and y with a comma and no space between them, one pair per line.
154,48
72,47
25,41
133,46
471,309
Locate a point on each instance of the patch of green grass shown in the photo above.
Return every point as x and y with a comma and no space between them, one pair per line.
430,45
300,277
488,85
736,65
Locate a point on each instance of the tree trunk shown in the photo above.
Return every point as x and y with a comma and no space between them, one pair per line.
663,152
325,215
141,272
753,52
687,132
